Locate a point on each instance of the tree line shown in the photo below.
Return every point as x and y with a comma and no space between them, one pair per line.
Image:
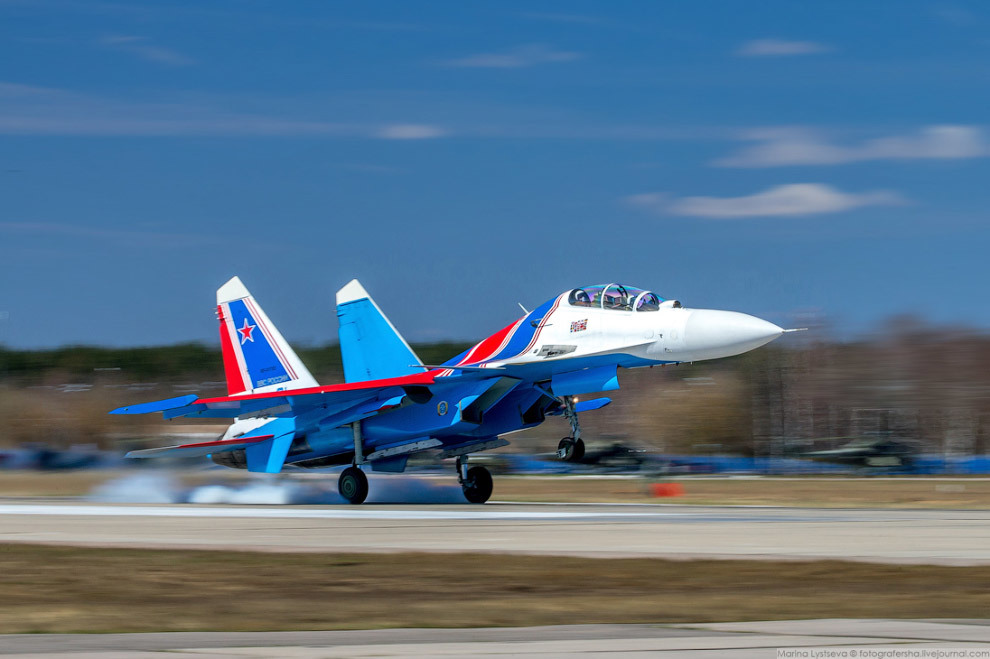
805,392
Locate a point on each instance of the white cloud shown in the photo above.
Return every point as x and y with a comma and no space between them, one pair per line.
140,47
650,201
516,58
780,48
26,110
776,147
792,200
410,132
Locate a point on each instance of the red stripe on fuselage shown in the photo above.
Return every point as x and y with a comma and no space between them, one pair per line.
488,347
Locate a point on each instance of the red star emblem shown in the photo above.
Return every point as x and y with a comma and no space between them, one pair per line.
246,332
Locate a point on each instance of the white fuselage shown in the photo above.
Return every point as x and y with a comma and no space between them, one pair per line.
669,334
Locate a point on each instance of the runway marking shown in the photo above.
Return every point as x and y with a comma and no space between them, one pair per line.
482,513
308,513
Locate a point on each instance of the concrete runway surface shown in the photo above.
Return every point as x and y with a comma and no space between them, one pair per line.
948,537
743,640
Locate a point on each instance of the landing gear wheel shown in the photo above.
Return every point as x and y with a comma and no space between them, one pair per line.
353,485
478,485
570,450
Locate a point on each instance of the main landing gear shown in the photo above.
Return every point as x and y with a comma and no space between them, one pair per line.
571,449
353,485
476,482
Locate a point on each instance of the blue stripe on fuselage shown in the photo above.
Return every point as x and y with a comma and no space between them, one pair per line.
524,333
457,360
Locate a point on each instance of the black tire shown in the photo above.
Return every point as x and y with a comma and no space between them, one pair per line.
478,485
569,450
353,485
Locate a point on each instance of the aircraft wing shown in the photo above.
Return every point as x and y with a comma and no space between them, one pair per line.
291,403
290,411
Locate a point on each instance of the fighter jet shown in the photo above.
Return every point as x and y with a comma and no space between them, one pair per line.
874,453
391,405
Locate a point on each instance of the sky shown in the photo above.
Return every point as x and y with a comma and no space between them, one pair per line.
802,162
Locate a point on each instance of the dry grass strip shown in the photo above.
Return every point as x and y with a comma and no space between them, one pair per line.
55,589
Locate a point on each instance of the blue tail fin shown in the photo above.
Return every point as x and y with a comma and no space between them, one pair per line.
370,346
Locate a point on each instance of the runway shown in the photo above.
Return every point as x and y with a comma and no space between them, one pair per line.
747,640
947,537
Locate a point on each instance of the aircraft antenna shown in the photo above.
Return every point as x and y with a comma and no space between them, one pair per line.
525,310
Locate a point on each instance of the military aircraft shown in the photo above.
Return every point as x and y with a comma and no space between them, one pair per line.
392,405
875,453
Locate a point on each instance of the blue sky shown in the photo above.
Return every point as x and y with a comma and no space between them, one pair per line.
778,158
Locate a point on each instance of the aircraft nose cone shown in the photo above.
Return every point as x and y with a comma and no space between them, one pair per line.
710,334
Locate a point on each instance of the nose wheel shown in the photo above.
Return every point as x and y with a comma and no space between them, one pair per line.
476,482
571,449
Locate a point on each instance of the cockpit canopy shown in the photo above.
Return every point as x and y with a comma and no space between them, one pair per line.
616,297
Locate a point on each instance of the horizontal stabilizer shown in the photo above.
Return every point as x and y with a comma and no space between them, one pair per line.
198,449
156,406
291,403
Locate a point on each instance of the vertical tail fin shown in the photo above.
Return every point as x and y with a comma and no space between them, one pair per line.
255,356
370,346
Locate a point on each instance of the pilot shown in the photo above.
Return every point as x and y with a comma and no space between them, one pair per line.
581,299
616,302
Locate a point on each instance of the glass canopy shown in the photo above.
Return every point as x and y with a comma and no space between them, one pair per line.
616,297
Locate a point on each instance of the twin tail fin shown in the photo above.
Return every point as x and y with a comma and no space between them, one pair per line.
256,358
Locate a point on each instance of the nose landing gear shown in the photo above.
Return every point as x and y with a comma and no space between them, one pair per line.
571,449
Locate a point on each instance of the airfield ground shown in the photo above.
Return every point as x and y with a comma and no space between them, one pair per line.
69,589
841,492
849,548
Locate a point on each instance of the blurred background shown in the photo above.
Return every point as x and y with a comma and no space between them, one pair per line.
911,398
814,165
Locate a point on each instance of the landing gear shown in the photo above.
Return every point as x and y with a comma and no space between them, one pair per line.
571,449
476,482
353,485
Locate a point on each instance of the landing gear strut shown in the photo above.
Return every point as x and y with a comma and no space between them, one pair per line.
571,449
353,484
476,482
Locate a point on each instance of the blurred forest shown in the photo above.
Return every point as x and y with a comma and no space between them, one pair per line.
909,381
